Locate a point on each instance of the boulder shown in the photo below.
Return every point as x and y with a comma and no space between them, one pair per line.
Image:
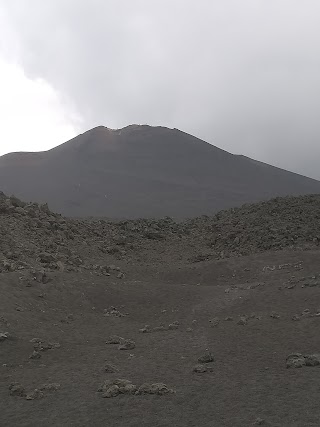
312,359
16,389
295,360
114,339
156,388
111,391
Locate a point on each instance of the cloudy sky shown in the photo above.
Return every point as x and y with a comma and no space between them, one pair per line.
243,75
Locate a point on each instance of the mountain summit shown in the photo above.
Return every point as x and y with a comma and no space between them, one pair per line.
143,171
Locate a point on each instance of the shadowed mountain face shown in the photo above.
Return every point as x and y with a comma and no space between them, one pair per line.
143,171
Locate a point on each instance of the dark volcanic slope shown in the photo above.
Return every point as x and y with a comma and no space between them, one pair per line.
143,171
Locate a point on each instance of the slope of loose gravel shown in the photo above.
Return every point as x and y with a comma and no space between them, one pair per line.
63,282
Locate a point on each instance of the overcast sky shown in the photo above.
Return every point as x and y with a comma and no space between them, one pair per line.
241,74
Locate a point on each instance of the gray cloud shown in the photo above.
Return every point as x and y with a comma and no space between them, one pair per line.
241,75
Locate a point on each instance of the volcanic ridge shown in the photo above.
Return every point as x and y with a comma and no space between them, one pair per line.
144,171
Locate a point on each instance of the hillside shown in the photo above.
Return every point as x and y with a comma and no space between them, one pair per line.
143,171
151,322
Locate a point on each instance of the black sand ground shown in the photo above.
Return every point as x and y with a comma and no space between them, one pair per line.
60,280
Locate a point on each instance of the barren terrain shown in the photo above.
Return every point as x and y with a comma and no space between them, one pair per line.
213,321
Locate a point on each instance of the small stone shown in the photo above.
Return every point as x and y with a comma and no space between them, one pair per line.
125,386
127,345
35,355
274,315
46,258
156,388
200,369
40,276
8,266
35,340
129,389
259,422
114,339
4,336
173,326
160,328
42,346
114,312
110,369
206,358
35,394
60,266
214,322
17,389
312,359
50,387
145,329
112,391
306,313
105,386
53,345
243,320
295,360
